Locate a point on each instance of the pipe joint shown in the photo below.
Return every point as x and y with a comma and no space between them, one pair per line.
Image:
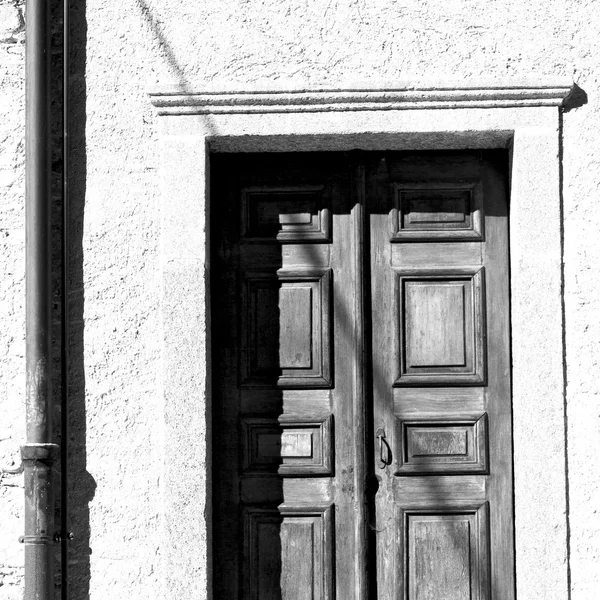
45,453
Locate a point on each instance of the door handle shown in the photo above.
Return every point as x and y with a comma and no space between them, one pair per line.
384,450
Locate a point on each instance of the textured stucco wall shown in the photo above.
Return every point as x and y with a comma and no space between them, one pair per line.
119,49
12,292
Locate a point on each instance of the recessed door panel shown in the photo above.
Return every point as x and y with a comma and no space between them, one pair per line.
288,553
286,329
436,211
291,214
435,445
446,553
287,447
441,316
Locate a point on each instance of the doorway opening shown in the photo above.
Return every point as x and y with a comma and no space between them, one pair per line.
361,376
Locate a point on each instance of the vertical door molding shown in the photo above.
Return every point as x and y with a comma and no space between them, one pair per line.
519,115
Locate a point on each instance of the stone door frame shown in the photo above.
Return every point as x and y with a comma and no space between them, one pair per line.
523,117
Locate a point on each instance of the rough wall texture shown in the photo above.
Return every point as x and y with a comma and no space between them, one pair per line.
116,391
12,292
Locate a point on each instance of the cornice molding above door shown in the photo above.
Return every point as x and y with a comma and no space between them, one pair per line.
202,99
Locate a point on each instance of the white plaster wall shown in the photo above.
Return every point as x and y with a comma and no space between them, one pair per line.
117,389
12,293
115,277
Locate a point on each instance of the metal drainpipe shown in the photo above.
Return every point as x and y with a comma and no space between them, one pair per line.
38,453
65,534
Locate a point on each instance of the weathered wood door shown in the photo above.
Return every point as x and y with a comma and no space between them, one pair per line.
361,439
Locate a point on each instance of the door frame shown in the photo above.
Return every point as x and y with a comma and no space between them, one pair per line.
524,118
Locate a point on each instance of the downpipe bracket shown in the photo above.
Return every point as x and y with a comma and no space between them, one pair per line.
59,537
36,540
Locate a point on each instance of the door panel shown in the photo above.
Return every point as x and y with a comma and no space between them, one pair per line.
362,425
293,351
289,461
288,552
441,326
446,554
444,500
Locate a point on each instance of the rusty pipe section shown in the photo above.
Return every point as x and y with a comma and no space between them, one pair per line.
39,520
38,453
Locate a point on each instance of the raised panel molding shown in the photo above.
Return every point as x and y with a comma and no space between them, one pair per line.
445,552
288,552
287,447
441,327
442,446
297,214
294,350
437,211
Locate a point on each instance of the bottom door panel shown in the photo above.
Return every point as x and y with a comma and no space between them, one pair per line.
288,553
444,552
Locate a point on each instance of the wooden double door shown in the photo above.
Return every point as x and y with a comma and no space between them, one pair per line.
361,439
